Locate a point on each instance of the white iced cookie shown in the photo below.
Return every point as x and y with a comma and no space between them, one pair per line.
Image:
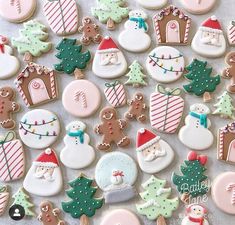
198,6
134,38
77,152
196,134
153,153
209,41
109,62
152,4
165,64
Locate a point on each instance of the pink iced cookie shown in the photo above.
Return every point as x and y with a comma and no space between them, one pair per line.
17,11
81,98
198,6
120,217
223,192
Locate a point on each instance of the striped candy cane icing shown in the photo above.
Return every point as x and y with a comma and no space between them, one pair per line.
231,187
231,33
81,95
4,197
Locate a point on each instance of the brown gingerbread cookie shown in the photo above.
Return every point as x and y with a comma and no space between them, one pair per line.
137,108
111,129
49,215
90,32
229,72
7,107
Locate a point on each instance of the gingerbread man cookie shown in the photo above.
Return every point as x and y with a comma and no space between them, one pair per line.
111,129
137,108
90,32
7,106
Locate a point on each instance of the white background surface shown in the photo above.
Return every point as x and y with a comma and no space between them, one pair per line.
224,10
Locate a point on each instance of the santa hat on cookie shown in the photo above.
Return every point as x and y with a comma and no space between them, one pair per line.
211,25
47,158
107,45
145,139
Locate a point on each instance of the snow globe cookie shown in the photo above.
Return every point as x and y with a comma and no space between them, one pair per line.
134,38
165,64
152,4
116,174
198,6
77,152
153,153
39,128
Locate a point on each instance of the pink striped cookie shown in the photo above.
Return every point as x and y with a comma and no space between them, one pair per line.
231,33
4,197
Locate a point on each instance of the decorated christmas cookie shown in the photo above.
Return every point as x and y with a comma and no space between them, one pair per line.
111,129
12,159
157,205
165,64
230,33
172,26
198,6
9,64
109,62
81,98
153,153
115,174
152,4
134,37
39,128
202,84
223,192
44,177
17,11
120,216
166,109
110,12
4,196
195,134
86,205
77,152
209,41
62,16
192,176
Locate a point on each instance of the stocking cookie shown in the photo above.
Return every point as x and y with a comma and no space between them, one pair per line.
230,33
198,6
77,152
8,107
134,37
197,125
111,129
153,153
137,107
115,174
152,4
4,196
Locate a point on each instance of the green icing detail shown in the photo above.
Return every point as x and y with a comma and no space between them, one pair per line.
110,9
136,77
83,202
71,56
201,80
156,198
32,39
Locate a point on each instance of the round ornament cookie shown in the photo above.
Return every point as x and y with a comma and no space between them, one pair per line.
152,4
39,128
223,192
120,217
198,6
165,64
81,98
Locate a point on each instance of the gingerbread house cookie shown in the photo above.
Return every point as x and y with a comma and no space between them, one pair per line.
172,26
36,84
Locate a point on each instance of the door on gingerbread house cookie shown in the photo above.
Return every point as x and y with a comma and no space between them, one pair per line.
38,91
231,152
173,32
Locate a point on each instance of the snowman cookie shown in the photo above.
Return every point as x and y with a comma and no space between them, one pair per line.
165,64
116,174
134,37
196,134
198,6
77,152
152,4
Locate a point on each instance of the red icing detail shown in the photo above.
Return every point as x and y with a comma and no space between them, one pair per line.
107,43
212,23
46,157
2,49
144,136
200,221
194,156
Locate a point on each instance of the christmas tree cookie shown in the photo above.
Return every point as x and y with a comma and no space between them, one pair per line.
157,204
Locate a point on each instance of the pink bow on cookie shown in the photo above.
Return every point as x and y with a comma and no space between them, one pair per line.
194,156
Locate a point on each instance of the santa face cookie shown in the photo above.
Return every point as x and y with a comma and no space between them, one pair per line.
77,152
223,192
44,177
165,64
153,153
196,134
109,62
81,98
152,4
198,6
134,37
209,41
39,128
116,174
